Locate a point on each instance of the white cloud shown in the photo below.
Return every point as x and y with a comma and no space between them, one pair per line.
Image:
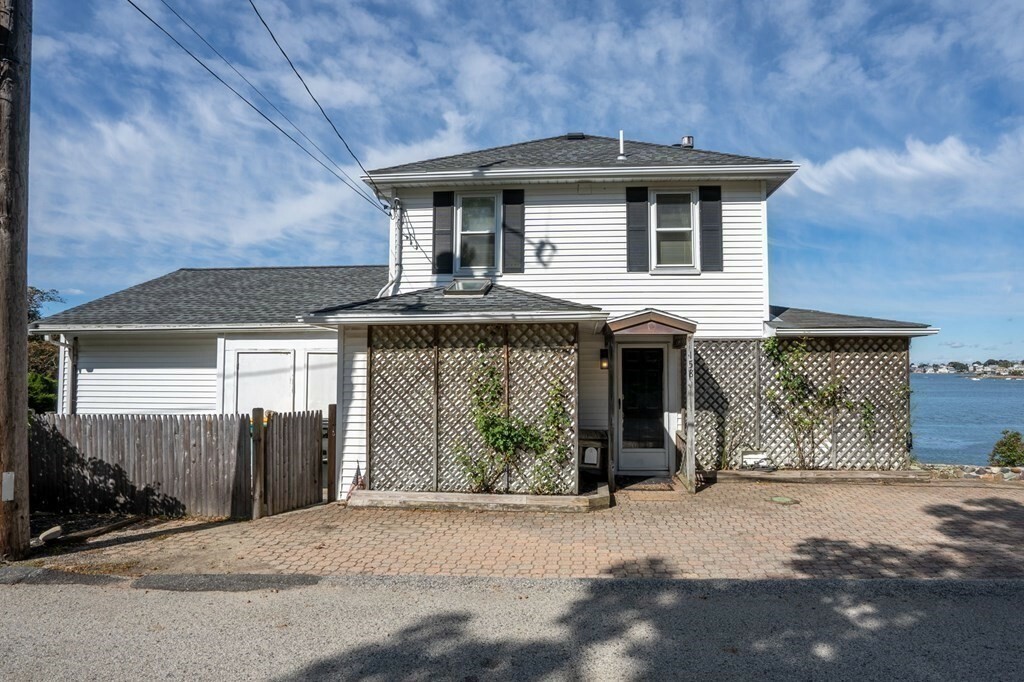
920,179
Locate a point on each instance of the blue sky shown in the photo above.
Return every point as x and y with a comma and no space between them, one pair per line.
906,118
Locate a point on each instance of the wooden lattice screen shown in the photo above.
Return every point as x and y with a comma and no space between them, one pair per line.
421,383
733,413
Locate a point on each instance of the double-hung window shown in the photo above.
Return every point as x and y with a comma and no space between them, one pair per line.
479,217
672,221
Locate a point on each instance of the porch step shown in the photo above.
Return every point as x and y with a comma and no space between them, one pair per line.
599,499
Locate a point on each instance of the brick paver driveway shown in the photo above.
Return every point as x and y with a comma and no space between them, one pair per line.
727,531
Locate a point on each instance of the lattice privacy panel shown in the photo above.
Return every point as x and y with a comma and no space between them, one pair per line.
458,361
402,408
734,379
417,370
542,357
873,370
777,439
726,375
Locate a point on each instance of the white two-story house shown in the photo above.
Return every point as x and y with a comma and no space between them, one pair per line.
629,279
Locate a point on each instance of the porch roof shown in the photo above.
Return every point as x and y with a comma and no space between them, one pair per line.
651,321
498,304
803,322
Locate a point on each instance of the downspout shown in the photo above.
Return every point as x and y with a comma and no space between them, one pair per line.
395,254
71,377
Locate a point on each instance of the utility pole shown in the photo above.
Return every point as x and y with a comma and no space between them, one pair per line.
15,57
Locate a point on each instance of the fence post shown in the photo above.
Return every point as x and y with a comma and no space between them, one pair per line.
332,454
259,463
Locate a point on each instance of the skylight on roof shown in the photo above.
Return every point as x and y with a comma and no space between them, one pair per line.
468,287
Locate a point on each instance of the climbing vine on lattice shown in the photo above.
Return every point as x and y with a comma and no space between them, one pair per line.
510,439
806,407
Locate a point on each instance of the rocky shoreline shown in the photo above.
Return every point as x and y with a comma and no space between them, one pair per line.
971,471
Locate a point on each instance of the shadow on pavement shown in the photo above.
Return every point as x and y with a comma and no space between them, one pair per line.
984,539
672,629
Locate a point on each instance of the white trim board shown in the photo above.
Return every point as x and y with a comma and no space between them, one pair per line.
860,331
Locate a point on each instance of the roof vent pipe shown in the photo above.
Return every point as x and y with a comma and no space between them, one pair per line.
622,147
687,142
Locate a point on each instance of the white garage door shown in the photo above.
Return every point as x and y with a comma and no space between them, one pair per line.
265,379
321,381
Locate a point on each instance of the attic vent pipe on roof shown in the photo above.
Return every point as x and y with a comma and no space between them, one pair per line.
622,147
575,136
687,142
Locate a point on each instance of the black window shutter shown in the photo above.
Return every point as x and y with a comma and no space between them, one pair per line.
513,231
444,232
638,234
711,229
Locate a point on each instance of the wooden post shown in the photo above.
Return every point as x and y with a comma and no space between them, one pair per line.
690,461
259,463
332,453
15,57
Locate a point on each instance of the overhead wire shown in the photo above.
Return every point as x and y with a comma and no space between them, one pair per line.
315,100
254,107
260,93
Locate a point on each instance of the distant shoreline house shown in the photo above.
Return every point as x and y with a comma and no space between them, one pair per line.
630,278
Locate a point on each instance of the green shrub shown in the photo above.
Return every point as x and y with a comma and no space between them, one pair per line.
1009,450
42,392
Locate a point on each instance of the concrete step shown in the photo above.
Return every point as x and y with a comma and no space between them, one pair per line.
480,501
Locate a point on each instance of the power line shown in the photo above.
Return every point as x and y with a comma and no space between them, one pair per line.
254,107
265,98
303,81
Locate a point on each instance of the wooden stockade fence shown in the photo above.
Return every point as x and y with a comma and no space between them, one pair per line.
172,465
293,461
175,465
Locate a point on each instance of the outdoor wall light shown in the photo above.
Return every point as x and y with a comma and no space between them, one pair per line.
604,358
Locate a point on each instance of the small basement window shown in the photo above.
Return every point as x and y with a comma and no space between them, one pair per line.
468,287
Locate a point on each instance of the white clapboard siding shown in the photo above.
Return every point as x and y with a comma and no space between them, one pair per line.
147,374
63,374
582,237
593,380
351,428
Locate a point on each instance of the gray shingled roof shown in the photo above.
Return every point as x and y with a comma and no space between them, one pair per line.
227,296
592,151
500,299
800,318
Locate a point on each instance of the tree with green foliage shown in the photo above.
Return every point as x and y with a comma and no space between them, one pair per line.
37,298
43,357
1008,451
42,392
958,366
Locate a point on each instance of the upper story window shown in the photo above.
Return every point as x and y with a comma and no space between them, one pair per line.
479,218
673,215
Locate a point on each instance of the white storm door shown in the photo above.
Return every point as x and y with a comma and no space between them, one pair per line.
642,409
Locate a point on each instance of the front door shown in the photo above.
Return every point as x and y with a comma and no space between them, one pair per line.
643,436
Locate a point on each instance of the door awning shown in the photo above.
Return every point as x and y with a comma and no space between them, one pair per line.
650,321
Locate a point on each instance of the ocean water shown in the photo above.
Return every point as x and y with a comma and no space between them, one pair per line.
957,421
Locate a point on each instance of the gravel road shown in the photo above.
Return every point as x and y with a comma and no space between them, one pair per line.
56,626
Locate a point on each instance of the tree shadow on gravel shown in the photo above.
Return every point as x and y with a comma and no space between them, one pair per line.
670,629
984,538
